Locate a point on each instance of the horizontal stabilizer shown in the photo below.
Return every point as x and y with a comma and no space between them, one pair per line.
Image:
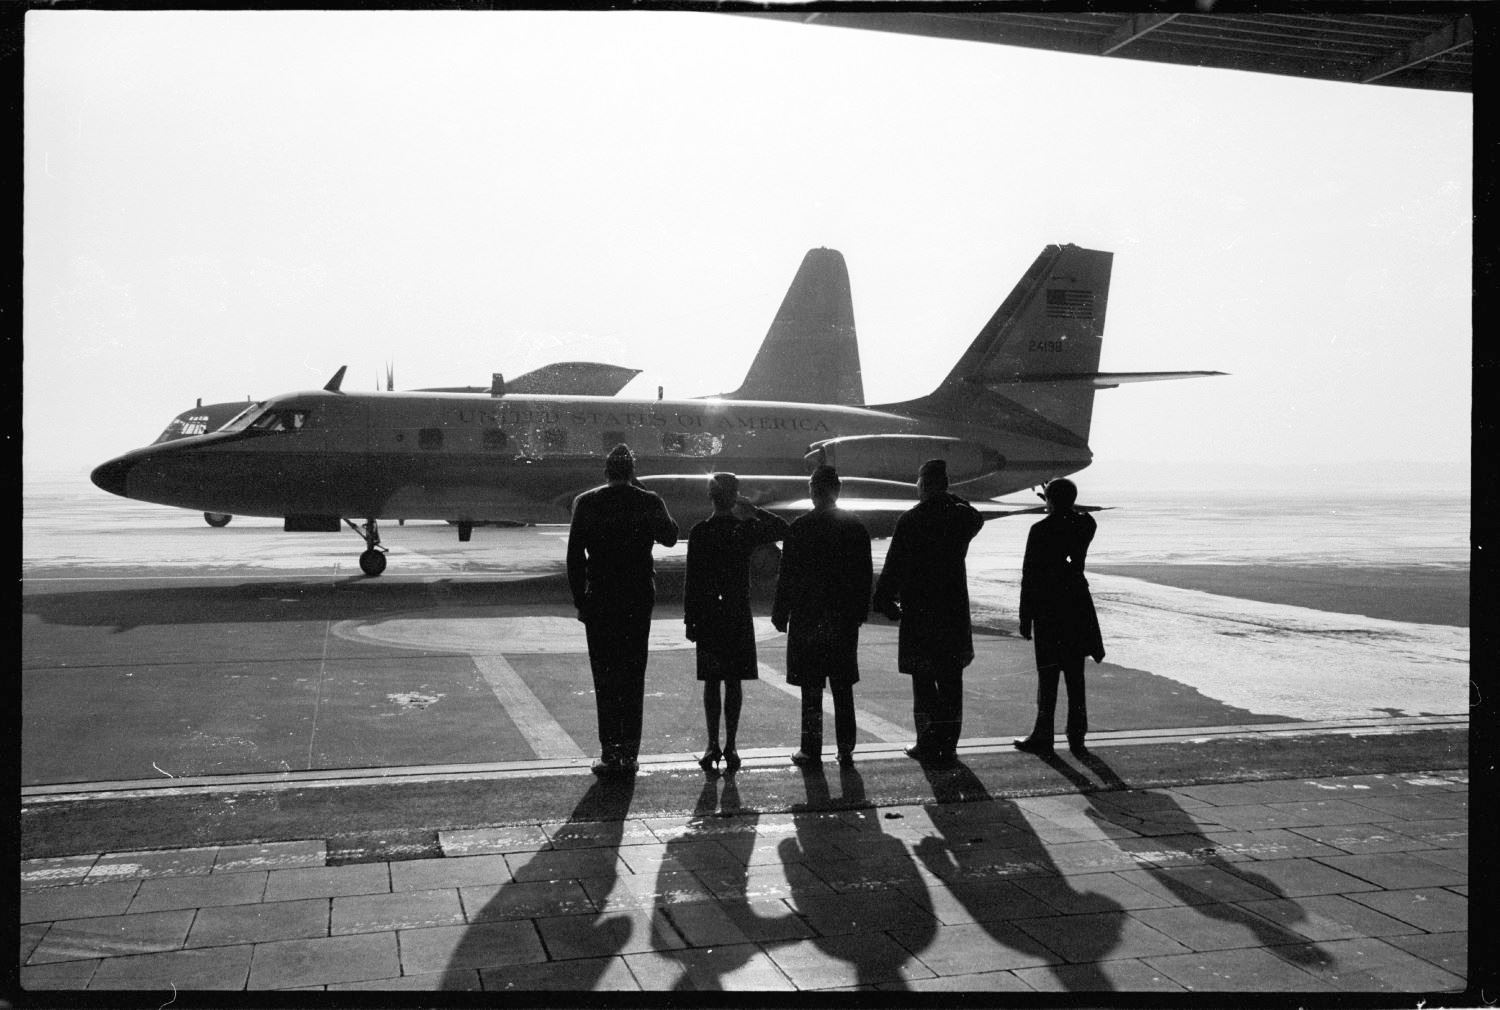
1098,380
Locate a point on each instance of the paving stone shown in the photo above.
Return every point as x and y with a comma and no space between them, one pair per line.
328,881
1449,951
1368,965
76,901
1456,860
599,834
113,936
960,950
374,913
490,841
1294,878
735,968
1327,917
286,963
484,945
273,920
1213,927
460,871
206,968
1234,846
158,893
1099,936
1197,884
629,931
1122,975
863,912
644,891
1420,805
1263,816
62,975
860,959
1226,794
529,900
989,901
764,883
1250,970
715,923
596,974
1104,857
53,871
1445,833
1397,870
987,862
1091,892
1432,908
31,935
982,981
573,864
270,856
871,874
1362,838
689,854
153,863
458,980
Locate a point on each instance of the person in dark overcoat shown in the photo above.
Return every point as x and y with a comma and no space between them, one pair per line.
1057,609
613,583
716,607
924,585
822,597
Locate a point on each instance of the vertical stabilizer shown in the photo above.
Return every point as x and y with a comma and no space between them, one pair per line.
810,354
1041,347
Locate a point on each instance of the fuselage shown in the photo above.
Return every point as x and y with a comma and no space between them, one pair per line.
519,457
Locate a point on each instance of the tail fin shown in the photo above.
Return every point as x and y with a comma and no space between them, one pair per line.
810,354
1041,348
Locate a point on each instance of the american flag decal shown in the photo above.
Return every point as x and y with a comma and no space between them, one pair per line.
1065,304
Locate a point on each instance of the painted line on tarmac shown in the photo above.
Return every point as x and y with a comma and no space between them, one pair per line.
882,729
761,757
543,733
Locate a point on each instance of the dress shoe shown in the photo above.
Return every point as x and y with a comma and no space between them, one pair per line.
731,761
709,759
629,766
846,758
1077,746
606,766
1031,746
916,753
802,759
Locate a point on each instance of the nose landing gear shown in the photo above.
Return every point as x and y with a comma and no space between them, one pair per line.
372,561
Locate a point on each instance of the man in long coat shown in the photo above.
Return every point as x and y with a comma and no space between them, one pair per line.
924,585
1056,605
614,588
716,606
822,597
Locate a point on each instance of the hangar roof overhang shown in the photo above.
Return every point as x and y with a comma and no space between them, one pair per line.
1431,50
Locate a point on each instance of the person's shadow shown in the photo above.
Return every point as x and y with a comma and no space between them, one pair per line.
500,926
977,870
1186,862
874,890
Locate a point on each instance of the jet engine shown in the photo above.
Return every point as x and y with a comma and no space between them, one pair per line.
897,457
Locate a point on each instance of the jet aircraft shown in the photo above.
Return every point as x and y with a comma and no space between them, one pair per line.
1014,412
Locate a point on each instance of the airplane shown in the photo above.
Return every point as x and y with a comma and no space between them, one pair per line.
1013,413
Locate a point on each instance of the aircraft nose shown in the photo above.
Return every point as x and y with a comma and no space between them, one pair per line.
111,476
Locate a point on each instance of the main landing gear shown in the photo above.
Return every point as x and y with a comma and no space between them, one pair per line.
372,561
217,519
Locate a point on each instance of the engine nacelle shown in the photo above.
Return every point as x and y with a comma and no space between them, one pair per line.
897,457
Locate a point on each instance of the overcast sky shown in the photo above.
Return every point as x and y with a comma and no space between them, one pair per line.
230,204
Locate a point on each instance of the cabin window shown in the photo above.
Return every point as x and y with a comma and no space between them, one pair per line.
494,438
691,443
430,438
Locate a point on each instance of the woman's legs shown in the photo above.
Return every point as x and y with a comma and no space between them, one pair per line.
734,697
711,705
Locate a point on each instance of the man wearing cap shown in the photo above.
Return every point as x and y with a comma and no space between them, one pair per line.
822,597
716,607
614,588
924,585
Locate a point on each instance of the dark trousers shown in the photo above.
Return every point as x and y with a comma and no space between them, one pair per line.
1046,700
812,717
937,708
617,657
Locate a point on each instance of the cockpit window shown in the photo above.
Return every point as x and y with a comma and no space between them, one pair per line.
244,418
284,419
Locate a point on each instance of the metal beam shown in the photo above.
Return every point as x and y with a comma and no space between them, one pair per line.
1454,36
1134,27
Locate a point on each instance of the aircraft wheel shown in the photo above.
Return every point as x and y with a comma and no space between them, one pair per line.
372,562
217,519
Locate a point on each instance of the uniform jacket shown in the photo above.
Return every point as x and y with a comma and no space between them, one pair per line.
1054,593
609,548
823,595
716,590
926,581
